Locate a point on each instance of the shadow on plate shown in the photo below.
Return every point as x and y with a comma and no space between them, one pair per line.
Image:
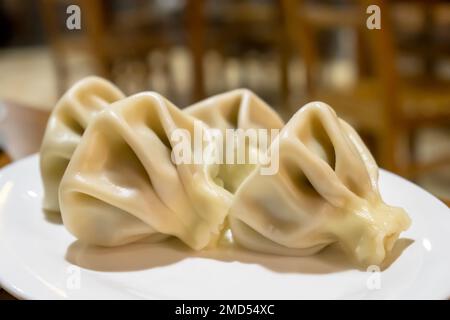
52,216
142,256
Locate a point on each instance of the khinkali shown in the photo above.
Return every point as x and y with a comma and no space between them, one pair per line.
65,127
324,192
239,109
122,184
236,109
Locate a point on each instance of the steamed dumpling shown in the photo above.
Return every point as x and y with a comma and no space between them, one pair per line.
122,186
324,192
237,109
66,126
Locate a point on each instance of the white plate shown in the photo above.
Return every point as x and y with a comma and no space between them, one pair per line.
39,259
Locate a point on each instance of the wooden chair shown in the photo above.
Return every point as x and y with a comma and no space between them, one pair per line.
380,105
58,40
110,34
22,128
233,28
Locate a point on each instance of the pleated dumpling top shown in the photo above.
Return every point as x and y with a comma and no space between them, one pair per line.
236,109
239,109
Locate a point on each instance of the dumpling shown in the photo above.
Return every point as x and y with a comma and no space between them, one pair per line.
236,109
324,192
65,127
122,184
239,109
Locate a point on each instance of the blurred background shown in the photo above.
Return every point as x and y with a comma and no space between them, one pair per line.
392,85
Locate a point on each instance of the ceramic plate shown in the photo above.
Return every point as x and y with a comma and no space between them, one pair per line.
39,259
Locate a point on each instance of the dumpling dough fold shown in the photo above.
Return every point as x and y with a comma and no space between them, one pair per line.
236,109
65,127
239,109
324,192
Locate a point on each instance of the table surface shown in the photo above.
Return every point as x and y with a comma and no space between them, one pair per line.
21,129
21,132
